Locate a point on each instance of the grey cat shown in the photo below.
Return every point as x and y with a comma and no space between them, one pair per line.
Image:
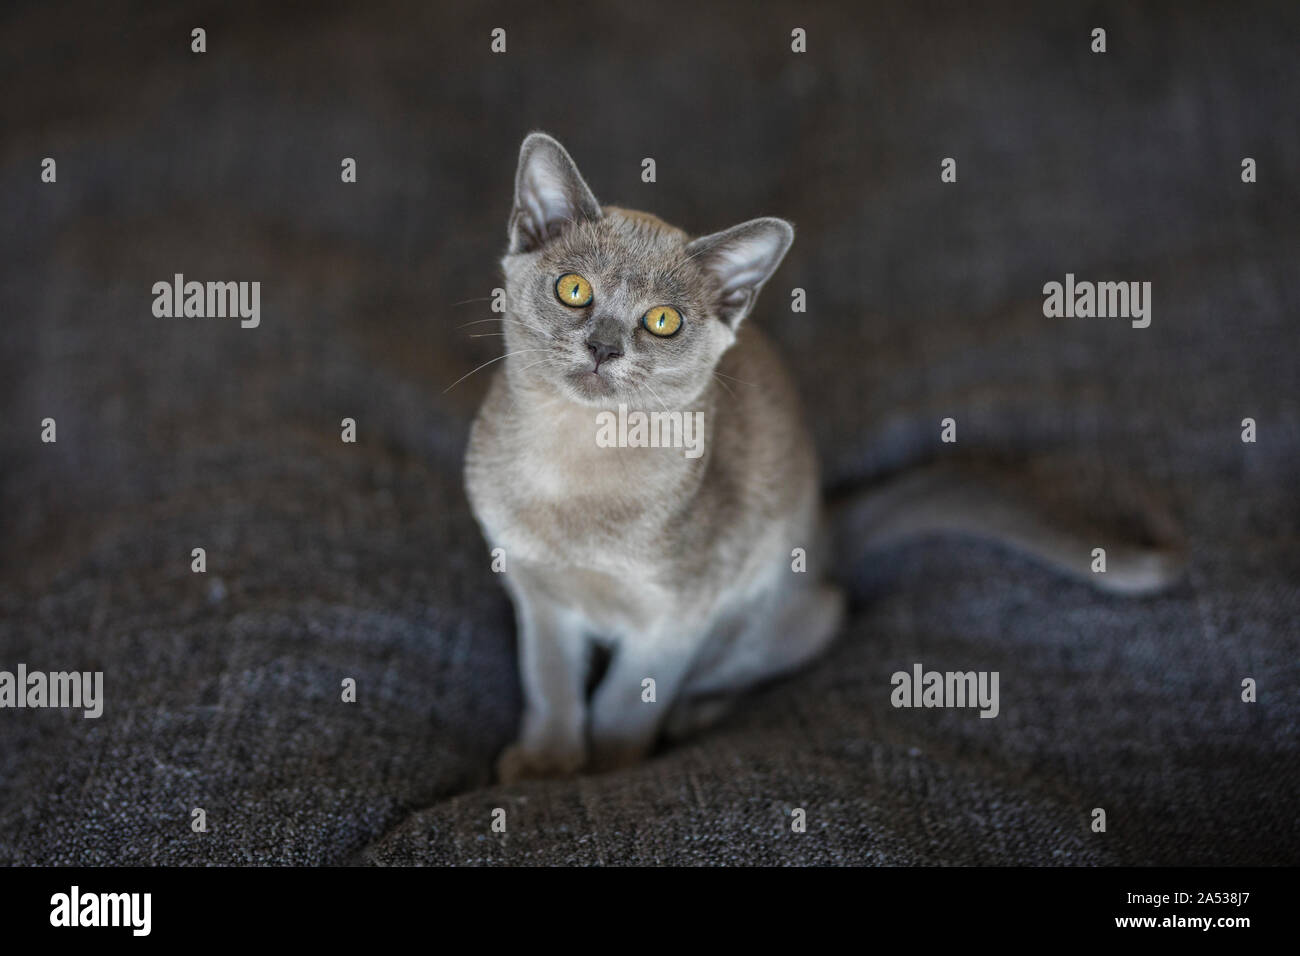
682,567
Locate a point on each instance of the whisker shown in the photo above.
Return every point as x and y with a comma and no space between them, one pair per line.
486,364
673,270
656,395
549,358
545,333
724,385
537,363
734,379
505,318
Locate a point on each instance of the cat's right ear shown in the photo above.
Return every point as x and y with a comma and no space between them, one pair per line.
549,194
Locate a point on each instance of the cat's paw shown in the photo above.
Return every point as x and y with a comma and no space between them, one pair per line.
618,754
521,762
695,715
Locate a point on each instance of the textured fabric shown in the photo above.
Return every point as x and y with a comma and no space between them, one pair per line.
328,560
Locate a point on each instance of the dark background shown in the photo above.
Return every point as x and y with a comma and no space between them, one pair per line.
328,560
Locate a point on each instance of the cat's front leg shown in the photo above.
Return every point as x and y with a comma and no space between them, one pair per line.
552,671
635,696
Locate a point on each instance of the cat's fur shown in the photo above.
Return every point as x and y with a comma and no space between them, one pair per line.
680,566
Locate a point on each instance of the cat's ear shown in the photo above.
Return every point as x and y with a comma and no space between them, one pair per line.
740,260
549,194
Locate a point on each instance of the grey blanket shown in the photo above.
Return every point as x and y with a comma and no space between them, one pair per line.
328,560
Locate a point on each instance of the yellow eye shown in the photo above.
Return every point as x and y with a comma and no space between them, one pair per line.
662,320
573,290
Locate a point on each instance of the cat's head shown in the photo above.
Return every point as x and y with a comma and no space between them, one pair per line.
608,305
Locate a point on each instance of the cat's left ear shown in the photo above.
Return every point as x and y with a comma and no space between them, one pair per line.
740,260
549,194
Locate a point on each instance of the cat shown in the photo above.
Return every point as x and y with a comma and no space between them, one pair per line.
680,567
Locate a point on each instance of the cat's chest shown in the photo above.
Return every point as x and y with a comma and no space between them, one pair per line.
546,500
544,511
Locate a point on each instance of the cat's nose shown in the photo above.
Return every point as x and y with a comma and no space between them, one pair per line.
603,351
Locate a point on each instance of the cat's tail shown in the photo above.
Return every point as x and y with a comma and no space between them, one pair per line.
940,500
